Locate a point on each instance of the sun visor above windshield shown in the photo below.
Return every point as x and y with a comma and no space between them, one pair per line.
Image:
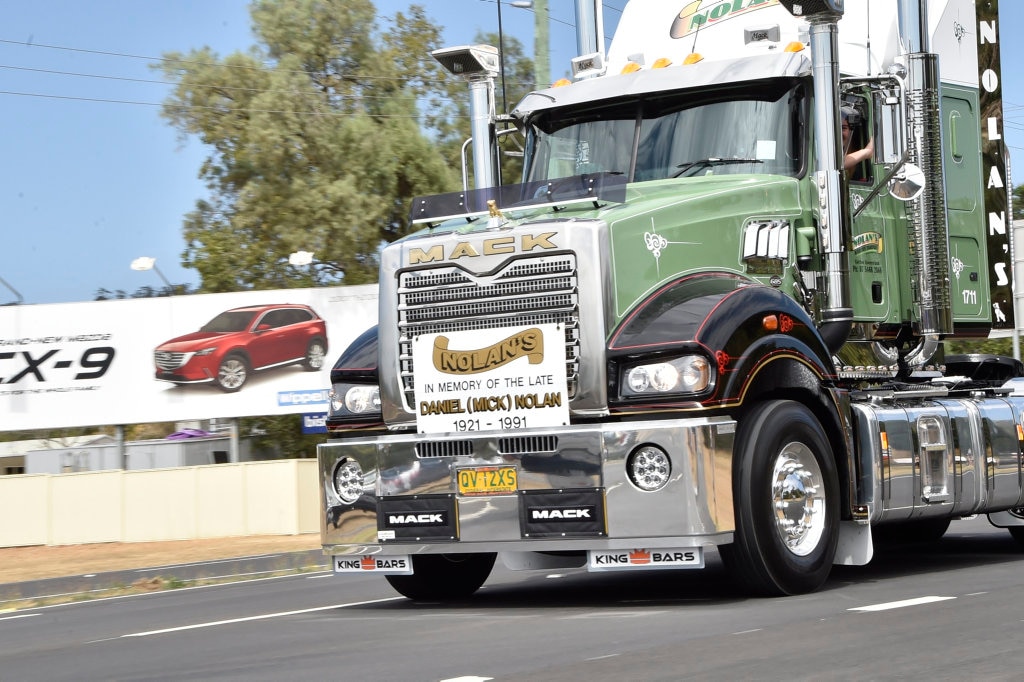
681,77
587,188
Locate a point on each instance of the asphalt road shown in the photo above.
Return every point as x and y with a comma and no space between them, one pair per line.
949,610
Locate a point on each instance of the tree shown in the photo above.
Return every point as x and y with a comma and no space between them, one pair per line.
104,294
281,435
1018,202
315,143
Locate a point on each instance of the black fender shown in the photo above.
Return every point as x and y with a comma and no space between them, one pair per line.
739,324
762,343
358,364
359,360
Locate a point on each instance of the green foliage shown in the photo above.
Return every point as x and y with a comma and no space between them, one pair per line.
1001,346
103,294
282,435
1018,202
316,142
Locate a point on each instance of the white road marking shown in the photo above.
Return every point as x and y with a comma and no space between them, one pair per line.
613,614
468,678
747,632
900,604
264,616
20,615
598,658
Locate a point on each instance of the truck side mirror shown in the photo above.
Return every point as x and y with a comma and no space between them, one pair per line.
908,183
889,127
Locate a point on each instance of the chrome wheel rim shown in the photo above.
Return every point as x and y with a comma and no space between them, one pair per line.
232,374
315,356
798,498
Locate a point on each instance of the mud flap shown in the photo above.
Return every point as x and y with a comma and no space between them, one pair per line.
855,546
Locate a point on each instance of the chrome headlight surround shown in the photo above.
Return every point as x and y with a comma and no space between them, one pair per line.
685,375
348,480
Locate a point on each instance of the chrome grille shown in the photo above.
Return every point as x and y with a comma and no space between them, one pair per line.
170,361
524,292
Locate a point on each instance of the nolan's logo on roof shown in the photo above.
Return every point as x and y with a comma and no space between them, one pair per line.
699,14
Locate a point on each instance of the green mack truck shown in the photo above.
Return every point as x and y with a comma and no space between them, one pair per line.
709,319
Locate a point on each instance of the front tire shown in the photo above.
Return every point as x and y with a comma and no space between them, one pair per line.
786,498
232,373
443,577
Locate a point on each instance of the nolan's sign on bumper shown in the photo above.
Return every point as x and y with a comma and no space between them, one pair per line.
491,379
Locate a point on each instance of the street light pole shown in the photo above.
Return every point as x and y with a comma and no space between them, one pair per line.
15,291
541,41
143,263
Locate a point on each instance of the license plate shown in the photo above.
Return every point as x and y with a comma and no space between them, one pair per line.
487,480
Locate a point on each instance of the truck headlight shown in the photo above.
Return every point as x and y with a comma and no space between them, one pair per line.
354,399
362,399
687,374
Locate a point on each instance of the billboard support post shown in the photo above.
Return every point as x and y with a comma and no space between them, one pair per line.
122,452
233,431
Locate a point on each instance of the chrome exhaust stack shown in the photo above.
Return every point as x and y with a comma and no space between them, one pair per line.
836,313
478,64
927,225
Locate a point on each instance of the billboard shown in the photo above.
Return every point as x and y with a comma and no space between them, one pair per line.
176,358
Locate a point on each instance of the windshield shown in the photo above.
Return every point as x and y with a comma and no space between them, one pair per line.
750,130
230,321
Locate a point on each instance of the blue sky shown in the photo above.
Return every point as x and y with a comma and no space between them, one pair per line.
91,177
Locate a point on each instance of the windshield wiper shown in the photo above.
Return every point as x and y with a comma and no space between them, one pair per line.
705,163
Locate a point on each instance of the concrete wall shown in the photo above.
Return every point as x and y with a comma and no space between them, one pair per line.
277,497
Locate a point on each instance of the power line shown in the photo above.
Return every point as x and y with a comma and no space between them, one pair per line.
338,114
195,85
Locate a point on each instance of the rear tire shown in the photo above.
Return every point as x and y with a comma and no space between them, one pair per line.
786,498
316,352
443,577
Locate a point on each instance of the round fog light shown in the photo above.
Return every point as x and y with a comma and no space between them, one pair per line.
649,468
348,480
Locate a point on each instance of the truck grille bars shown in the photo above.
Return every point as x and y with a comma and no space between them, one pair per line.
522,292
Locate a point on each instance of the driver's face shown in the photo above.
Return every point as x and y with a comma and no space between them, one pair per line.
846,134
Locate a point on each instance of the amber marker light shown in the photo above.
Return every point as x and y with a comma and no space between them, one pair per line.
661,63
1020,432
770,323
561,82
794,47
693,58
630,67
883,437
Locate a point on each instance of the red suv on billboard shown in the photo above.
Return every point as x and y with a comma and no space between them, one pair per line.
228,348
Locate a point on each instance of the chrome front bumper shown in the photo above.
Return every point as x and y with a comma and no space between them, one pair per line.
416,475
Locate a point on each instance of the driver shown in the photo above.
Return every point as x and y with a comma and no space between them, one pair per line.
852,158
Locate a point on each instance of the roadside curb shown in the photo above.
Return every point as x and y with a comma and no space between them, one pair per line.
219,569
